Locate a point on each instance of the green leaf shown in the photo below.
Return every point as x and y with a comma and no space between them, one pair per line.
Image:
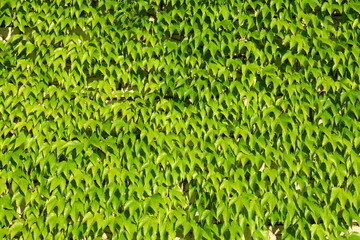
16,228
21,139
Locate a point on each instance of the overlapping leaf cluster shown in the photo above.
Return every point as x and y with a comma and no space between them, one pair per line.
179,118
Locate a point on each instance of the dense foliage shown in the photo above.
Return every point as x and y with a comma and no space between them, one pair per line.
179,118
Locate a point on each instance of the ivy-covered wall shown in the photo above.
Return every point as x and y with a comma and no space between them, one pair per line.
179,119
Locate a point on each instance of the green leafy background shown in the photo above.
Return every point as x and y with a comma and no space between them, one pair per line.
179,118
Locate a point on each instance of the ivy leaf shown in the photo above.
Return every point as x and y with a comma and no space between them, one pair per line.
16,228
